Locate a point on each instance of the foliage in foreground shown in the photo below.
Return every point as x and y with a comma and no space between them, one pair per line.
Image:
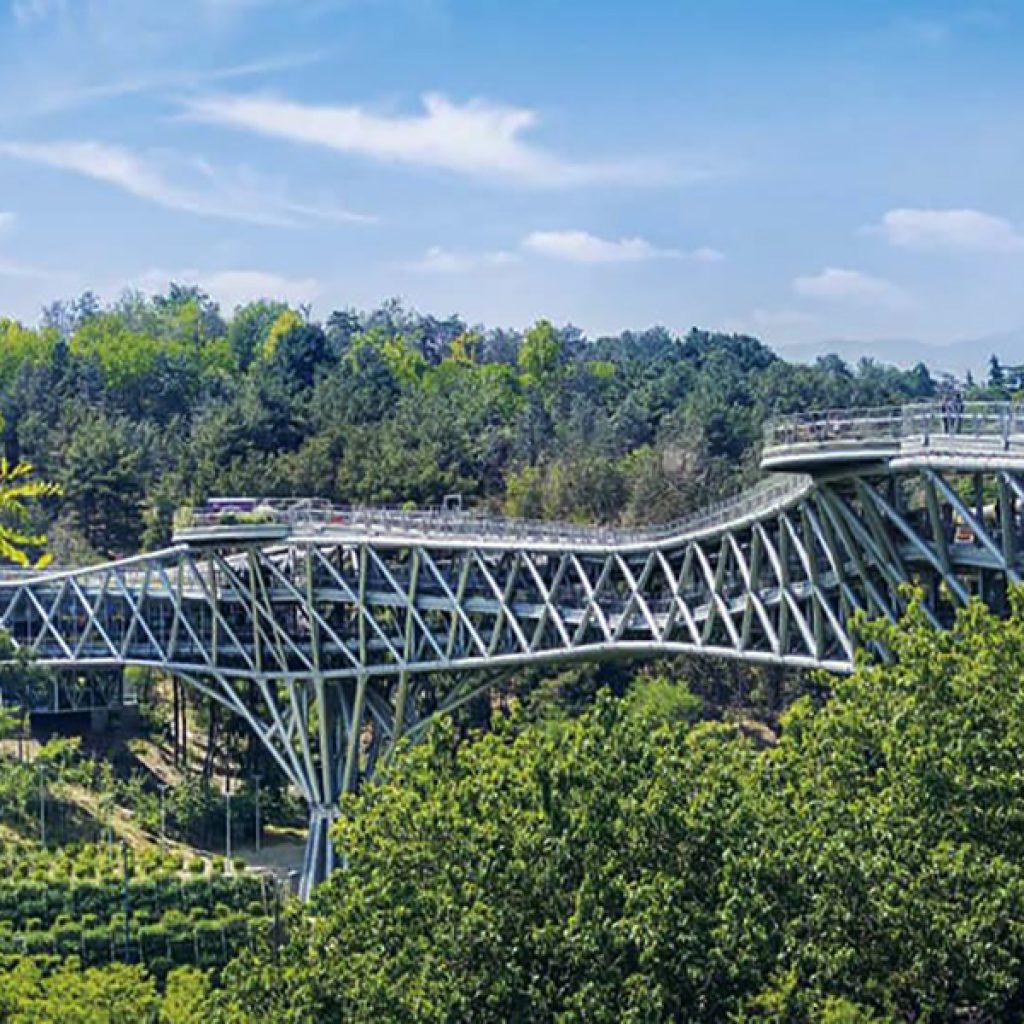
625,867
120,994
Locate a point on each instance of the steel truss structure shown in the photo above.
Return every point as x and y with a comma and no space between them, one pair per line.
335,639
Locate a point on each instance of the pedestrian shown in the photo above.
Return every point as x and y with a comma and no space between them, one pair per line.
958,411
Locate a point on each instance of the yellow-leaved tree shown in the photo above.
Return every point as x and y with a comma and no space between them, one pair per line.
18,488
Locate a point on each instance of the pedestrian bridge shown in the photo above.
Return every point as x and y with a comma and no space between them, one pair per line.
334,632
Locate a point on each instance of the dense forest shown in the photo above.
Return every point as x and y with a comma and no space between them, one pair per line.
156,402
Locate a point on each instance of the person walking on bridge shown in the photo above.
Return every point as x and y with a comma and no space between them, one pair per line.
958,410
947,412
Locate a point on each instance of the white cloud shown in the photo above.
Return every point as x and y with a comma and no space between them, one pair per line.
478,138
583,247
86,92
439,260
233,288
838,284
6,219
705,254
969,230
240,195
107,16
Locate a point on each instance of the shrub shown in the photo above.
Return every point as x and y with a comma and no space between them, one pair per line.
96,946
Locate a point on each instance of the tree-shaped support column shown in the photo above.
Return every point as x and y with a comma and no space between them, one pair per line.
325,736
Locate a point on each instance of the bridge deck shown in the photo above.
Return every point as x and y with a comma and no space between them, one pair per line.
841,438
325,523
982,434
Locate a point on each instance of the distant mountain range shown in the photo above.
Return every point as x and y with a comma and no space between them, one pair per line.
956,357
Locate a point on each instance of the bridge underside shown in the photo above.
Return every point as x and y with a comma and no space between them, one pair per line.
333,644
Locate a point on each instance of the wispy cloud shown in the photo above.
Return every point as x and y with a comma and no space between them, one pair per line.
6,219
439,260
583,247
964,229
180,183
233,288
842,285
705,254
150,16
478,139
86,93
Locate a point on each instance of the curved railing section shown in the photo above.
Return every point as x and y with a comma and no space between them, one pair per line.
310,517
883,423
820,439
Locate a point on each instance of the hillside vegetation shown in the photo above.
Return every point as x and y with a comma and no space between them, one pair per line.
630,864
634,866
153,403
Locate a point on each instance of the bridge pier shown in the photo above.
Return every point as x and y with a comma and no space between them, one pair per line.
331,729
319,859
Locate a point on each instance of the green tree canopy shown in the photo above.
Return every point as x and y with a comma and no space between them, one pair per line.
631,866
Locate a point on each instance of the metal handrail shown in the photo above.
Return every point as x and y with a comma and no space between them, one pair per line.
921,423
438,521
855,424
918,422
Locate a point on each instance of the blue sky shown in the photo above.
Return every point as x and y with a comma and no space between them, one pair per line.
799,170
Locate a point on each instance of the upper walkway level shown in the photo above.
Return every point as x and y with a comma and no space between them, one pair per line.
275,519
982,432
796,447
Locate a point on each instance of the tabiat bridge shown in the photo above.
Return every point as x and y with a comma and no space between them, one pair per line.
336,633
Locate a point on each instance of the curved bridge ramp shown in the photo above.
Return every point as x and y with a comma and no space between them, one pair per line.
336,632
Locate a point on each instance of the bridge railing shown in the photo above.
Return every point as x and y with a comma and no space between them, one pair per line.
921,422
857,424
436,521
997,421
